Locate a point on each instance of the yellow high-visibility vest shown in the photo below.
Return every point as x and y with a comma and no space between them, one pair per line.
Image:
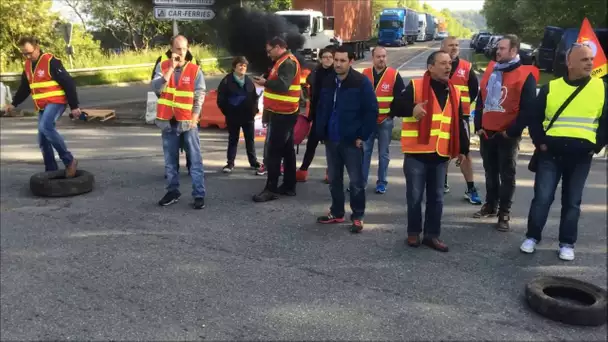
580,118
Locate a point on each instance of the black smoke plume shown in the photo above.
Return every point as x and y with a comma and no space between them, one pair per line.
247,30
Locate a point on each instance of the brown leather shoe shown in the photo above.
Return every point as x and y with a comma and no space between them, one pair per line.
70,170
503,223
413,240
435,244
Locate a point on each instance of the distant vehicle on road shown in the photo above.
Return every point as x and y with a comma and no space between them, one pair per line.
545,53
480,41
397,26
442,35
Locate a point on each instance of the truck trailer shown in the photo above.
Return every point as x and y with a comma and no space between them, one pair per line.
331,22
397,26
426,27
431,27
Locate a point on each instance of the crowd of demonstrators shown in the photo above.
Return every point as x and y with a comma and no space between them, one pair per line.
567,121
464,79
237,98
387,84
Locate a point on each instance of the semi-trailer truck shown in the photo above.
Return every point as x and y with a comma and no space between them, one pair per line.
421,27
397,26
431,27
327,22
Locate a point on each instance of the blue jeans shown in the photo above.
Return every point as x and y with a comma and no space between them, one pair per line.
339,155
419,176
171,145
49,138
573,172
383,133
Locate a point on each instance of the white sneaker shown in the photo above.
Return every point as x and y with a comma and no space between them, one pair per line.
566,253
528,246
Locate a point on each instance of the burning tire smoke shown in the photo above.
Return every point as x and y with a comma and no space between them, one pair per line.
247,31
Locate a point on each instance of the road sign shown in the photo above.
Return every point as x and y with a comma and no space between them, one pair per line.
183,13
185,2
67,30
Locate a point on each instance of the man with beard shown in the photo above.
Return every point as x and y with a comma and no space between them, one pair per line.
508,93
314,81
282,91
346,116
387,84
464,79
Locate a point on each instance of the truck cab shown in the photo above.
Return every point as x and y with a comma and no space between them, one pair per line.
421,27
391,27
317,30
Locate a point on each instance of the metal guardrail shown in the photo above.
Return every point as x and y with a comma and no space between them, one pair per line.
15,76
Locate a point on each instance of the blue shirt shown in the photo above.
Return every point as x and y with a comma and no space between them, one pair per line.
333,129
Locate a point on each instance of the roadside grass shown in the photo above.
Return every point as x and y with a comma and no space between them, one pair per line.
109,77
480,63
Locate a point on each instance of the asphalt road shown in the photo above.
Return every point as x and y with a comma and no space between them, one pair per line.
112,265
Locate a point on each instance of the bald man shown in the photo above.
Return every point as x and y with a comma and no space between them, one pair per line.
180,87
464,79
566,139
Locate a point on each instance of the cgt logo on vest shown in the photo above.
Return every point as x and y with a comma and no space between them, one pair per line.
40,73
496,106
460,73
385,87
186,80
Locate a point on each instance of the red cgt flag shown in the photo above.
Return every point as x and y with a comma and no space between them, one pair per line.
587,36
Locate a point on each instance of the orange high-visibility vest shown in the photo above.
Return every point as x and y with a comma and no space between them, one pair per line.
384,90
503,115
439,141
460,80
288,102
177,100
43,88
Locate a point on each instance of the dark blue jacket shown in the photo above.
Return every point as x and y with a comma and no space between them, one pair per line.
356,106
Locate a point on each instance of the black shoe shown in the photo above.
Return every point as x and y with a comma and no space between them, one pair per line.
199,203
169,198
265,196
228,168
283,190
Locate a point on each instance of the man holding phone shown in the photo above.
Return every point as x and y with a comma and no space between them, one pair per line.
282,92
181,85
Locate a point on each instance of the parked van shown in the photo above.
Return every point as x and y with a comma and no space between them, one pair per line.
545,53
569,37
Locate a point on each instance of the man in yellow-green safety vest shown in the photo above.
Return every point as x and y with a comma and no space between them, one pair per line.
569,126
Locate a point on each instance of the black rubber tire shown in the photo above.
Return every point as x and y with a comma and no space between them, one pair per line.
592,314
54,183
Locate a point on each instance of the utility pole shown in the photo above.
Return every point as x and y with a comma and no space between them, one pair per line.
175,28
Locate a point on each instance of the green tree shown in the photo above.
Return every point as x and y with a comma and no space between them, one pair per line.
527,18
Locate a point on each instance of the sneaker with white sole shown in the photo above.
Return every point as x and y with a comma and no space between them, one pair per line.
528,246
566,253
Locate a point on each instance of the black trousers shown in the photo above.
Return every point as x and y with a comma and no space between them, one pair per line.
280,147
311,147
499,156
234,130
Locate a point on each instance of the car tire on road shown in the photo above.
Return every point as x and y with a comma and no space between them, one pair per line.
567,300
54,183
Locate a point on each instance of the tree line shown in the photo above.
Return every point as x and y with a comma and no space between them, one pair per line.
528,18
